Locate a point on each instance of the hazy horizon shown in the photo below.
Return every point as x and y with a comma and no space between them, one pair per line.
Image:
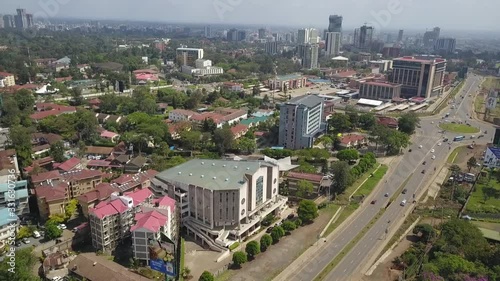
451,15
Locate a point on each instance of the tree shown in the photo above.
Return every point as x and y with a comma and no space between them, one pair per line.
255,91
425,230
252,249
190,139
246,145
223,139
367,121
277,233
347,155
471,163
57,152
340,123
304,188
24,232
20,138
454,169
307,211
23,270
239,258
341,177
70,208
289,226
408,122
52,231
76,96
206,276
186,273
353,118
265,241
209,125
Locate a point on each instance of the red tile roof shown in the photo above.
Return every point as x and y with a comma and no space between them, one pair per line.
108,134
52,193
102,192
305,176
165,201
151,221
347,139
98,163
69,164
52,175
78,175
56,110
387,121
239,129
41,147
139,196
113,207
5,74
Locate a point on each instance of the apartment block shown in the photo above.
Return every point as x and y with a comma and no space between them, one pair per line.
188,56
7,79
222,201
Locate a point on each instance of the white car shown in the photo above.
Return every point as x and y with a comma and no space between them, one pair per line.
432,150
439,144
62,226
420,146
432,122
433,157
36,234
57,278
403,202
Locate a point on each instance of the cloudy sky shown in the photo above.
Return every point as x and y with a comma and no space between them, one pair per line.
384,14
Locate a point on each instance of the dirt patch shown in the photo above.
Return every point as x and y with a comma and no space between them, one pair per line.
466,153
269,264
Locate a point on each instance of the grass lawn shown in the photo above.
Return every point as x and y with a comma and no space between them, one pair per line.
491,83
478,103
488,225
454,154
344,214
350,190
458,128
485,198
371,182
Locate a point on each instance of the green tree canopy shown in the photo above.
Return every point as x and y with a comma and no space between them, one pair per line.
252,249
265,241
223,139
340,123
304,188
348,154
307,211
206,276
25,260
277,233
341,177
239,258
57,152
408,122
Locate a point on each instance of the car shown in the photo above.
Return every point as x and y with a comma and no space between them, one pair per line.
26,241
423,171
386,195
470,146
57,278
290,216
373,202
36,234
425,162
409,150
432,150
420,146
439,144
433,157
269,230
445,140
62,226
18,243
403,202
432,122
404,191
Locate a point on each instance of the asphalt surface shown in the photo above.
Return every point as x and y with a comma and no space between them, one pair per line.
410,167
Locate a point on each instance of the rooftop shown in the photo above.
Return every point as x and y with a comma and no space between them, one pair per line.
307,100
93,267
289,77
305,176
101,192
69,164
151,221
351,138
212,174
495,151
370,102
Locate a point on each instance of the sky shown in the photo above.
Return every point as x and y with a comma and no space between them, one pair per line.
382,14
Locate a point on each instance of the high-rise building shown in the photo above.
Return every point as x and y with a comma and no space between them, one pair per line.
400,35
363,37
271,47
1,21
303,36
232,34
30,21
333,44
313,36
420,76
335,23
300,122
446,45
430,37
9,21
309,55
188,56
208,31
262,33
21,19
242,35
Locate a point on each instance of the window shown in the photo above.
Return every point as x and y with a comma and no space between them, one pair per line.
275,181
242,212
260,190
242,201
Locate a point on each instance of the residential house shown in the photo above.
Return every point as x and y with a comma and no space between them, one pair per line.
111,136
352,141
162,107
129,182
7,79
239,130
42,163
319,182
388,122
48,109
177,115
69,165
89,200
42,138
46,177
233,87
55,263
135,165
40,149
105,118
98,152
175,129
52,198
95,103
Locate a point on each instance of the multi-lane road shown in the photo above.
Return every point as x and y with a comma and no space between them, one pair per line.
415,176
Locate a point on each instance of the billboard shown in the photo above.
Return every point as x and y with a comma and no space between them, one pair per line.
491,101
496,139
163,267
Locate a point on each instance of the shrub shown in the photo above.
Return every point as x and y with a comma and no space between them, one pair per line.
239,258
252,249
265,241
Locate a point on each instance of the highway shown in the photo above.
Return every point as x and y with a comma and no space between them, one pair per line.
408,170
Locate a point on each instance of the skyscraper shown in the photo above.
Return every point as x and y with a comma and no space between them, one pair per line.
400,36
363,37
446,45
430,37
271,47
232,35
313,36
309,54
303,36
335,23
29,20
8,21
208,31
332,44
262,33
21,19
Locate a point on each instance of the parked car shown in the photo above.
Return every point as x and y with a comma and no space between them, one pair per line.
62,226
290,216
404,191
373,202
36,234
18,243
386,195
403,202
269,230
26,241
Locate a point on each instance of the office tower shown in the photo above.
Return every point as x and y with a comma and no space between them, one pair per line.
430,37
335,23
300,122
332,44
262,33
303,36
208,31
232,35
8,21
288,37
1,21
271,48
400,36
21,20
188,56
29,20
313,36
363,37
309,55
242,35
420,76
446,45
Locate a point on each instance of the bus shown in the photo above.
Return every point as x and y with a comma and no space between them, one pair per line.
459,138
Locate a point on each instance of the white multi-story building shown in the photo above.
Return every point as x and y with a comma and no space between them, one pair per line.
154,221
203,68
8,226
332,42
188,56
300,122
177,115
222,201
8,79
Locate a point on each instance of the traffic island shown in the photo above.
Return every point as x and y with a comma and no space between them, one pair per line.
458,128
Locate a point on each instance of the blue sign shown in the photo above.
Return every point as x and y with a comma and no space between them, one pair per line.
158,265
163,267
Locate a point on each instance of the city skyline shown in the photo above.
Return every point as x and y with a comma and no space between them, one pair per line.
382,14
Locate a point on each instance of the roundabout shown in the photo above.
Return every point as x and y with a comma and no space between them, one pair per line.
459,128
